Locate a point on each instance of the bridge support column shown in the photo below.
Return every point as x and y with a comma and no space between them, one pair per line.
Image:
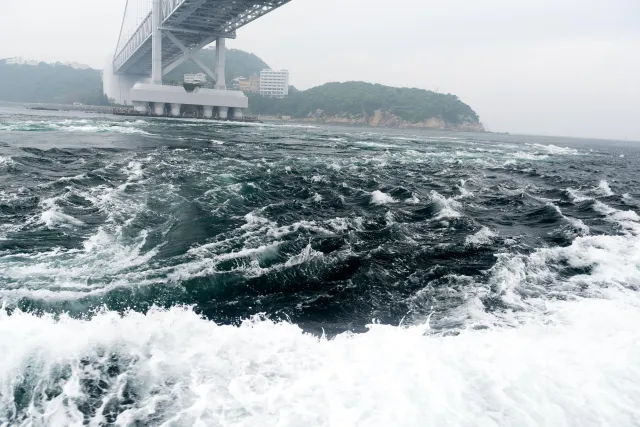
207,111
140,107
223,113
158,108
220,63
237,113
175,110
156,42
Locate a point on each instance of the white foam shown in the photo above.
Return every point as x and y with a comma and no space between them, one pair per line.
217,142
374,144
576,196
554,149
184,370
105,127
523,155
628,220
464,193
133,170
414,200
255,220
380,198
447,206
483,237
6,161
577,223
103,256
307,254
343,224
604,189
52,216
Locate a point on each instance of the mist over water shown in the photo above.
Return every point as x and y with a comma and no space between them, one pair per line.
182,272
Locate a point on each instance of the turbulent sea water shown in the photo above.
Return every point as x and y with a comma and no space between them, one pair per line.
189,273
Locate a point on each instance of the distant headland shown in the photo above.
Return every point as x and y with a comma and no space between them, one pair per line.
353,103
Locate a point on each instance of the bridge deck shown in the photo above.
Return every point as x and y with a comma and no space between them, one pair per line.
195,23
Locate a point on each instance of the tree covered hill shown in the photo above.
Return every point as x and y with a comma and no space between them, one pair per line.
351,102
58,83
53,83
359,99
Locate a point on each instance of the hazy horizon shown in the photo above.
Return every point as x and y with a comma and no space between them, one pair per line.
536,67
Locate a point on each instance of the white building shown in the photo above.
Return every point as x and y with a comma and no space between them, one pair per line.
76,65
195,78
274,84
20,61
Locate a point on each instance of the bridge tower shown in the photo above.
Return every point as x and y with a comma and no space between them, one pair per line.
155,42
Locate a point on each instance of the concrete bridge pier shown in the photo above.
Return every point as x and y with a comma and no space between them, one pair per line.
158,108
140,106
158,96
175,110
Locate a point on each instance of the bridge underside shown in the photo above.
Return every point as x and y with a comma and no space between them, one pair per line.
195,23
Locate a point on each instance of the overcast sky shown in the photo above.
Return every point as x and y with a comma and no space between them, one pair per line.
556,67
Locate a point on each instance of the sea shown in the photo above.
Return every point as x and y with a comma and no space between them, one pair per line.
177,272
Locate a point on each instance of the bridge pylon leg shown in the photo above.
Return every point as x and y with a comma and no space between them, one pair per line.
156,42
158,108
175,109
220,63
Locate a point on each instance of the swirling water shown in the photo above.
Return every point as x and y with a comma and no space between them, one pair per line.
181,272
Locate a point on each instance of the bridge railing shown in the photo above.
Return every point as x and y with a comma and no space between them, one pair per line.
169,6
246,13
140,35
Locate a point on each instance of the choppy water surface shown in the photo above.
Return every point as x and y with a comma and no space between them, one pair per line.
178,273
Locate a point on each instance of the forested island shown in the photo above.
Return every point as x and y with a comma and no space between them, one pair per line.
356,103
369,104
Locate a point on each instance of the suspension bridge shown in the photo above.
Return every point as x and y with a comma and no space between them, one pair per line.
157,36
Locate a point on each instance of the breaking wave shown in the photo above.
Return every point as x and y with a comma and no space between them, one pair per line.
240,274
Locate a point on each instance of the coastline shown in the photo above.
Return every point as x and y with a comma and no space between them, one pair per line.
381,119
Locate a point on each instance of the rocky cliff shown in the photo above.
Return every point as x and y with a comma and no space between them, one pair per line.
382,118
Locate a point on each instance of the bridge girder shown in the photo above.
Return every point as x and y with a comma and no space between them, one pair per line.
196,21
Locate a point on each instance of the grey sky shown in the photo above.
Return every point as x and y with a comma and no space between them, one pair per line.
560,67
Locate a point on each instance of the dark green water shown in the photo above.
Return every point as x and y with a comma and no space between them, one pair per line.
133,253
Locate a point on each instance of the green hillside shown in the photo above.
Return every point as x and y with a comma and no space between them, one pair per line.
355,102
54,83
358,98
57,83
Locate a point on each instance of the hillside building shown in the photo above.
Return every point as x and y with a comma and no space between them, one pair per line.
195,78
20,61
274,83
250,85
254,84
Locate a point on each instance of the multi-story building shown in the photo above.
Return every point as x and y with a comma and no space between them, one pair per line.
250,85
243,85
274,84
235,83
254,83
